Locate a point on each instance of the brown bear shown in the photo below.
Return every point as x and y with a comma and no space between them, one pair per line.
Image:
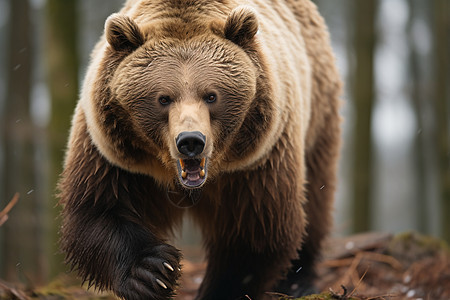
230,108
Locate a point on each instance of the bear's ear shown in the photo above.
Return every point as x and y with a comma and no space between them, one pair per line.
122,33
241,25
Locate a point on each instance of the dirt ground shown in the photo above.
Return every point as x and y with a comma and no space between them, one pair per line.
370,266
365,266
382,266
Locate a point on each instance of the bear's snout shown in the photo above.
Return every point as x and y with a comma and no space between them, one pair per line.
190,143
192,169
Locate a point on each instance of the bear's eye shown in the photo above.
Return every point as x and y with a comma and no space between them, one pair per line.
210,98
165,100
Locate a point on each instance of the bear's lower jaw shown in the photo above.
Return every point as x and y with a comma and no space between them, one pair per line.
192,173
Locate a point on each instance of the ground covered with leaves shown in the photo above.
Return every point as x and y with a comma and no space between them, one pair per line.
365,266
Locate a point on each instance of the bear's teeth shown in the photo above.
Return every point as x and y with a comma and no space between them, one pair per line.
202,163
182,164
183,174
202,173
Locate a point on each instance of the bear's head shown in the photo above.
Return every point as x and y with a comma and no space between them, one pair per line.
171,97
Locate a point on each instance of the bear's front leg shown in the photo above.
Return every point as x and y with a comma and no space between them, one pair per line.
111,249
112,252
106,233
251,238
234,272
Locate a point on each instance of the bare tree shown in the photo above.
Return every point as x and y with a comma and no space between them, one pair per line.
441,13
19,239
418,99
63,61
363,98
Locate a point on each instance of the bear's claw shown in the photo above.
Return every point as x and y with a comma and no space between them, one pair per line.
161,284
168,266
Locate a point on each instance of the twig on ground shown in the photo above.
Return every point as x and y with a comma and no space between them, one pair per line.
278,295
13,291
9,206
359,282
383,297
336,263
351,275
337,296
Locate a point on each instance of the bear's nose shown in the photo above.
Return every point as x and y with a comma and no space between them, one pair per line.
190,143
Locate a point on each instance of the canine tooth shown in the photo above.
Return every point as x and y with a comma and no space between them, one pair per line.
183,174
202,173
168,266
202,163
161,284
181,164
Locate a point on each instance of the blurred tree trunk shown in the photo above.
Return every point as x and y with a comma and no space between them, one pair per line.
417,95
62,58
21,245
363,98
441,17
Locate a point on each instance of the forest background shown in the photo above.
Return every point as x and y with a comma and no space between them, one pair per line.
394,173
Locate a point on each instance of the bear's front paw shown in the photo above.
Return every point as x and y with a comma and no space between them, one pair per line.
154,276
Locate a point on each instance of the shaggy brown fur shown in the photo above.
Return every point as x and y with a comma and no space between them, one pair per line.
233,108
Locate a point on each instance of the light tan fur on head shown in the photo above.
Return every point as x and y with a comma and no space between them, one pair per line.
189,115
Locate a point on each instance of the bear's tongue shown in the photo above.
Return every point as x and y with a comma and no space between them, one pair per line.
193,176
192,169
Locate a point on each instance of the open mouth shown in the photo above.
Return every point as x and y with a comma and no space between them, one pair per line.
192,172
